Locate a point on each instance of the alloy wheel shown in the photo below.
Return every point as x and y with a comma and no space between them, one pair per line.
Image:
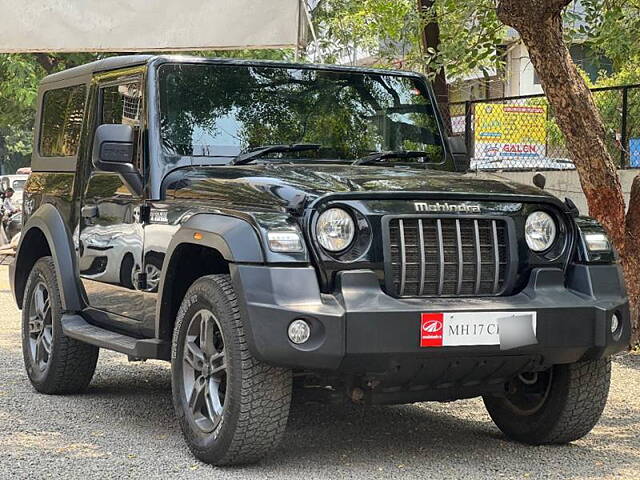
40,326
153,277
204,371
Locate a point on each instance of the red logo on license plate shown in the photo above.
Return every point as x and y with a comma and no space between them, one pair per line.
431,328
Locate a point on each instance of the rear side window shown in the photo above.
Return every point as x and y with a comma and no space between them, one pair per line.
62,112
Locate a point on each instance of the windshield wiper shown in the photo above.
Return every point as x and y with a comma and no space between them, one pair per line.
377,156
251,155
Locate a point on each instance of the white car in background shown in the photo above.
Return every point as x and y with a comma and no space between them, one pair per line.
17,183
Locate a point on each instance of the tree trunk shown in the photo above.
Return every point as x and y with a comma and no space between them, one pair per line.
431,42
539,23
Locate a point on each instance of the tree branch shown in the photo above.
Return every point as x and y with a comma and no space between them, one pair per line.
46,61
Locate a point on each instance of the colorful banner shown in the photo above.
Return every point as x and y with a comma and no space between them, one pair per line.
509,131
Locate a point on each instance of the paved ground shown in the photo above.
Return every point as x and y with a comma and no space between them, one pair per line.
124,428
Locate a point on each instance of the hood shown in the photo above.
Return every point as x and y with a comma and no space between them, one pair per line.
266,184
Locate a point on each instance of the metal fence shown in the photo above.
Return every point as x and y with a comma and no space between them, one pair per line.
520,133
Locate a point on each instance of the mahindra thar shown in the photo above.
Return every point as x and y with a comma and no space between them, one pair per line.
252,222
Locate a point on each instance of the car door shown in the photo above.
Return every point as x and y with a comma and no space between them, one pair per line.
110,232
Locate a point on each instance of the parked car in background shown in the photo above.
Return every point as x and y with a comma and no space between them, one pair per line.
514,164
16,182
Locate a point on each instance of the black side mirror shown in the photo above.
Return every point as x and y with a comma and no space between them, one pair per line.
458,149
539,180
113,146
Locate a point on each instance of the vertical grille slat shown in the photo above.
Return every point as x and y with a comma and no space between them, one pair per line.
423,263
476,231
460,258
496,255
441,257
403,260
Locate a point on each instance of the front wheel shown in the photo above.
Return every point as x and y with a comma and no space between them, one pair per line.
232,408
558,405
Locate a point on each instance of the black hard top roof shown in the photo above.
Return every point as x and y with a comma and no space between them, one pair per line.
106,64
124,61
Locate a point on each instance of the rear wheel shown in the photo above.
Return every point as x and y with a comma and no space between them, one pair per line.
558,405
54,362
232,408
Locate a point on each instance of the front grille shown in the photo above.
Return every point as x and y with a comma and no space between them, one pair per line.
447,257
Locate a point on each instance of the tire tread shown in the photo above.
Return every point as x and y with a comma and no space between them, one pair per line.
73,362
265,393
576,402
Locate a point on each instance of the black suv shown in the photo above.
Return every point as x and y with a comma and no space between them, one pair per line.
256,222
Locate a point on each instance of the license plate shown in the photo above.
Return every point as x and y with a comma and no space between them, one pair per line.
507,329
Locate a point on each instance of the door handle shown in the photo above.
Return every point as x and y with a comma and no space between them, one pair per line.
89,211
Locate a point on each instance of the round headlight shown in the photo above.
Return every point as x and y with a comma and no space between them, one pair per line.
335,229
540,231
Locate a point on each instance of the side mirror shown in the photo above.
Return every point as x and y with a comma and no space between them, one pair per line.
113,146
539,180
458,148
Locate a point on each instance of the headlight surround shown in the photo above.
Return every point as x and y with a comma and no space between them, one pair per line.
335,229
540,231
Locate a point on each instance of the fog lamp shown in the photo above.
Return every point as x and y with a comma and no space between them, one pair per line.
299,331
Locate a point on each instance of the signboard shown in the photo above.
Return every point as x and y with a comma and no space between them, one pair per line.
145,25
505,132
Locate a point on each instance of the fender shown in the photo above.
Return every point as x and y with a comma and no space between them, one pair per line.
234,238
48,220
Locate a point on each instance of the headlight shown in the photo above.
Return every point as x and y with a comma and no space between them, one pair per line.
540,231
335,229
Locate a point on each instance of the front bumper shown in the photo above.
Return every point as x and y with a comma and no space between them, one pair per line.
360,330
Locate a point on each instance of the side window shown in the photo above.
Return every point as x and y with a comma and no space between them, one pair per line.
62,113
122,104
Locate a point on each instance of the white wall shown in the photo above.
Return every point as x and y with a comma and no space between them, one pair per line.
520,72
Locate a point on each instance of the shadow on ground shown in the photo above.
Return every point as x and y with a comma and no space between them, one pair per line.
448,440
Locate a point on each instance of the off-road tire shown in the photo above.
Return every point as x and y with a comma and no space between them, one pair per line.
576,399
257,398
71,363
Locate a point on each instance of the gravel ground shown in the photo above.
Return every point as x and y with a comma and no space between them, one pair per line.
124,427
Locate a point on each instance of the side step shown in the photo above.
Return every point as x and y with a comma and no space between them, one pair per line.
76,327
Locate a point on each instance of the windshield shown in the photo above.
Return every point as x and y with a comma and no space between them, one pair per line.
223,110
